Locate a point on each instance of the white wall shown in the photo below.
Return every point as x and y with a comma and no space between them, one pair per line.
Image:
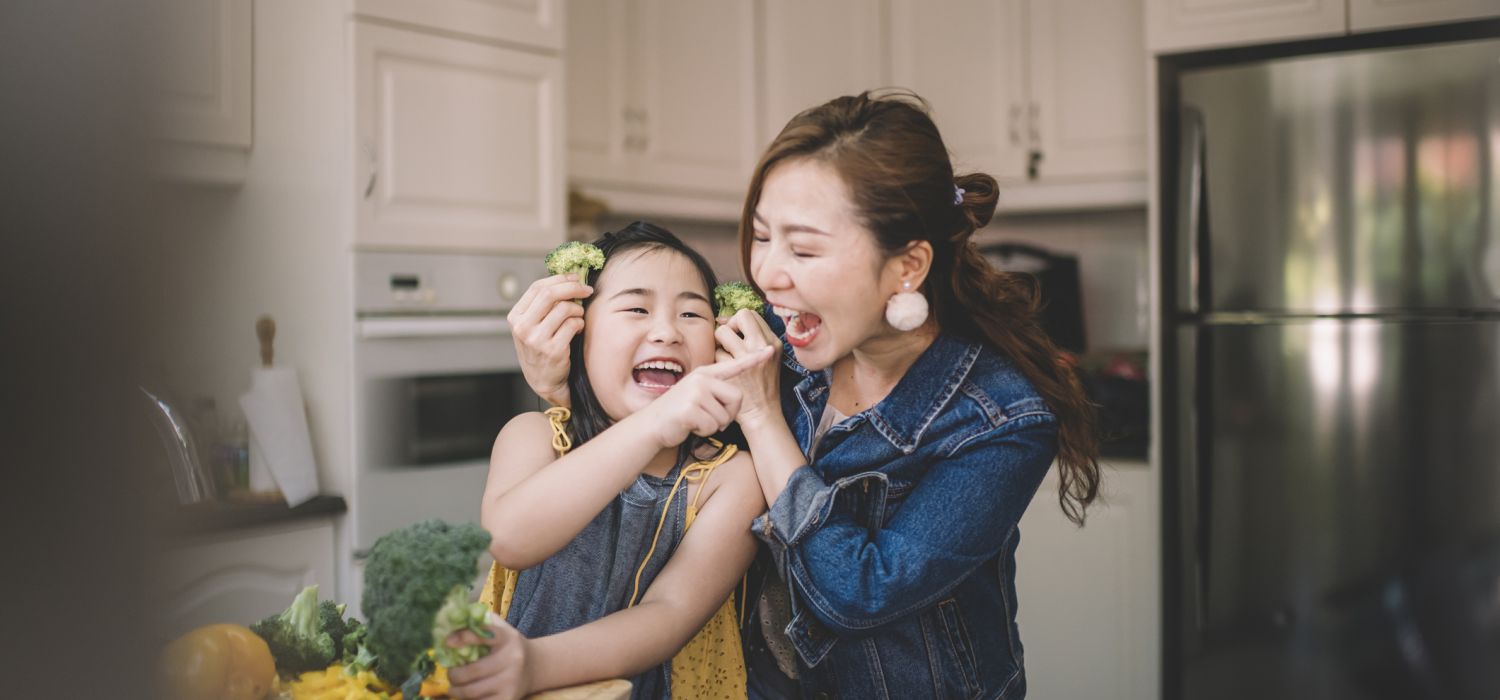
279,244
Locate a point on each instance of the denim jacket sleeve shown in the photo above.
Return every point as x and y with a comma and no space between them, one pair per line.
956,518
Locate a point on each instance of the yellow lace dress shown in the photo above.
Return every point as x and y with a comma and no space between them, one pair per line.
712,665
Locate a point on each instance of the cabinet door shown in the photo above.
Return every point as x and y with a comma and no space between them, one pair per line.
459,144
1175,25
1087,597
693,96
814,52
598,80
966,58
241,578
201,88
1088,87
537,23
1370,15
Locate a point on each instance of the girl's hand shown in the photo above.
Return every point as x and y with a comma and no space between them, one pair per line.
702,403
745,334
542,324
503,673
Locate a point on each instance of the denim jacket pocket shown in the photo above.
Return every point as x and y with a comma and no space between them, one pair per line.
865,496
960,645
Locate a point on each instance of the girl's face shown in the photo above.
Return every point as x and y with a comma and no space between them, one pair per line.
819,267
650,322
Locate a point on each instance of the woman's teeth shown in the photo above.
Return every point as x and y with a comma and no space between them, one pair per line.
801,326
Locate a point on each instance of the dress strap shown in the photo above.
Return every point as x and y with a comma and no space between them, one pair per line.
692,473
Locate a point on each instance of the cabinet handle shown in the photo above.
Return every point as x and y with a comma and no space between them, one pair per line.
1015,124
374,162
1033,164
1035,116
645,140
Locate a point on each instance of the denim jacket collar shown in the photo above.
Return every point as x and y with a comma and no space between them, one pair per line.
903,415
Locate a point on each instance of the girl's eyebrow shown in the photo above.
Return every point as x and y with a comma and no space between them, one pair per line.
642,291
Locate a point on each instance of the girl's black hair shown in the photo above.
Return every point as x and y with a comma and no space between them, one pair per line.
589,418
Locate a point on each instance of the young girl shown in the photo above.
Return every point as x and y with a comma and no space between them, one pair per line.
624,527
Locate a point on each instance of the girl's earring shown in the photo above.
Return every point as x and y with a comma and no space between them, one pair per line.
906,309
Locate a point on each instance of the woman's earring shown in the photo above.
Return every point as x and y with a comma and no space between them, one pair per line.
906,309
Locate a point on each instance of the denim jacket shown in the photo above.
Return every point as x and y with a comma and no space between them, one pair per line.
898,540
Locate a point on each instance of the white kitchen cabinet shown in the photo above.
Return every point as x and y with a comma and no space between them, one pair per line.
670,89
459,144
1180,25
1372,15
244,575
532,23
967,58
1048,96
813,52
201,67
1087,597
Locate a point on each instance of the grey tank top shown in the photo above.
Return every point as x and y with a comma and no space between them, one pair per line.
594,574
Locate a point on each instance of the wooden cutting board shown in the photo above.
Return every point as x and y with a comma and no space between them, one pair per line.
602,690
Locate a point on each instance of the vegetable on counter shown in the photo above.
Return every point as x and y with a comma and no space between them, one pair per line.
306,636
337,683
575,257
409,576
217,662
730,297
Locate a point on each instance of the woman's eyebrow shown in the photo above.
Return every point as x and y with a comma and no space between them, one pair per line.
790,228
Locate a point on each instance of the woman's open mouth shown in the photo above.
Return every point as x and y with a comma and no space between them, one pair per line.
656,376
801,326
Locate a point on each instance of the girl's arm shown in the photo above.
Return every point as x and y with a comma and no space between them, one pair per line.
534,504
707,565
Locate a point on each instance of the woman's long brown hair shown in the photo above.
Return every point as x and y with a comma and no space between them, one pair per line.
900,178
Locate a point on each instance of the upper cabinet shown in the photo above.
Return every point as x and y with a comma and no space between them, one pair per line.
1189,24
532,23
458,146
814,51
1185,25
663,93
1048,96
202,72
1370,15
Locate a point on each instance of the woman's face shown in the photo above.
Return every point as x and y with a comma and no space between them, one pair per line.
650,322
819,267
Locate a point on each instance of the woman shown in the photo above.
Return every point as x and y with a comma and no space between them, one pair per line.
917,410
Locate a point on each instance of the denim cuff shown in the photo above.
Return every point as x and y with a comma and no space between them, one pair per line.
802,505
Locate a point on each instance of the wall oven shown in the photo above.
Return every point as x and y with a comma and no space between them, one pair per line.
436,377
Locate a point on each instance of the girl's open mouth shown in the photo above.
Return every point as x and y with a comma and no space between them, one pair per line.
801,326
656,376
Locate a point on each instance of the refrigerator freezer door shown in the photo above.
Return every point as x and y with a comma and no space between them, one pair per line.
1366,182
1331,458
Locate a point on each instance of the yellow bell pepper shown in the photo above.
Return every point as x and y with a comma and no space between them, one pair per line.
436,685
217,662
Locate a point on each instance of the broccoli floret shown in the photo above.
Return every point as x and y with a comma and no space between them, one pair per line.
575,257
331,618
352,650
458,613
297,639
730,297
409,575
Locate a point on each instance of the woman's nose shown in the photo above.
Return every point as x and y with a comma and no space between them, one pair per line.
769,272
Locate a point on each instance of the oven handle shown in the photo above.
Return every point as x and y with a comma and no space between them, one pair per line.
431,327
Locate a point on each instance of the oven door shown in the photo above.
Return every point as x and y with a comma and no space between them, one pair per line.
431,395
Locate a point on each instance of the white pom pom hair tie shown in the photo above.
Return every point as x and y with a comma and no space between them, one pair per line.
906,310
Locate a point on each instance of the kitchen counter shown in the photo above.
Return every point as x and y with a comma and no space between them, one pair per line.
219,516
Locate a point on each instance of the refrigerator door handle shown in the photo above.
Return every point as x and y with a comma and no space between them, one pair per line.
1192,223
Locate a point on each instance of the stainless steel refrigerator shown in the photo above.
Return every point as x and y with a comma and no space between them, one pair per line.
1332,459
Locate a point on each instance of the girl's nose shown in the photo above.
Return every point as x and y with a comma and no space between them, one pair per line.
664,330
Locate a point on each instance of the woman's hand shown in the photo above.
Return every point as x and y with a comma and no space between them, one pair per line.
744,334
503,673
542,324
702,403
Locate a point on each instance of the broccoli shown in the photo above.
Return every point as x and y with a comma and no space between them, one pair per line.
730,297
575,257
458,613
297,637
410,574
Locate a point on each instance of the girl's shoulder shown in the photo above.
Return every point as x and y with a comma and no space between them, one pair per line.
736,473
532,429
